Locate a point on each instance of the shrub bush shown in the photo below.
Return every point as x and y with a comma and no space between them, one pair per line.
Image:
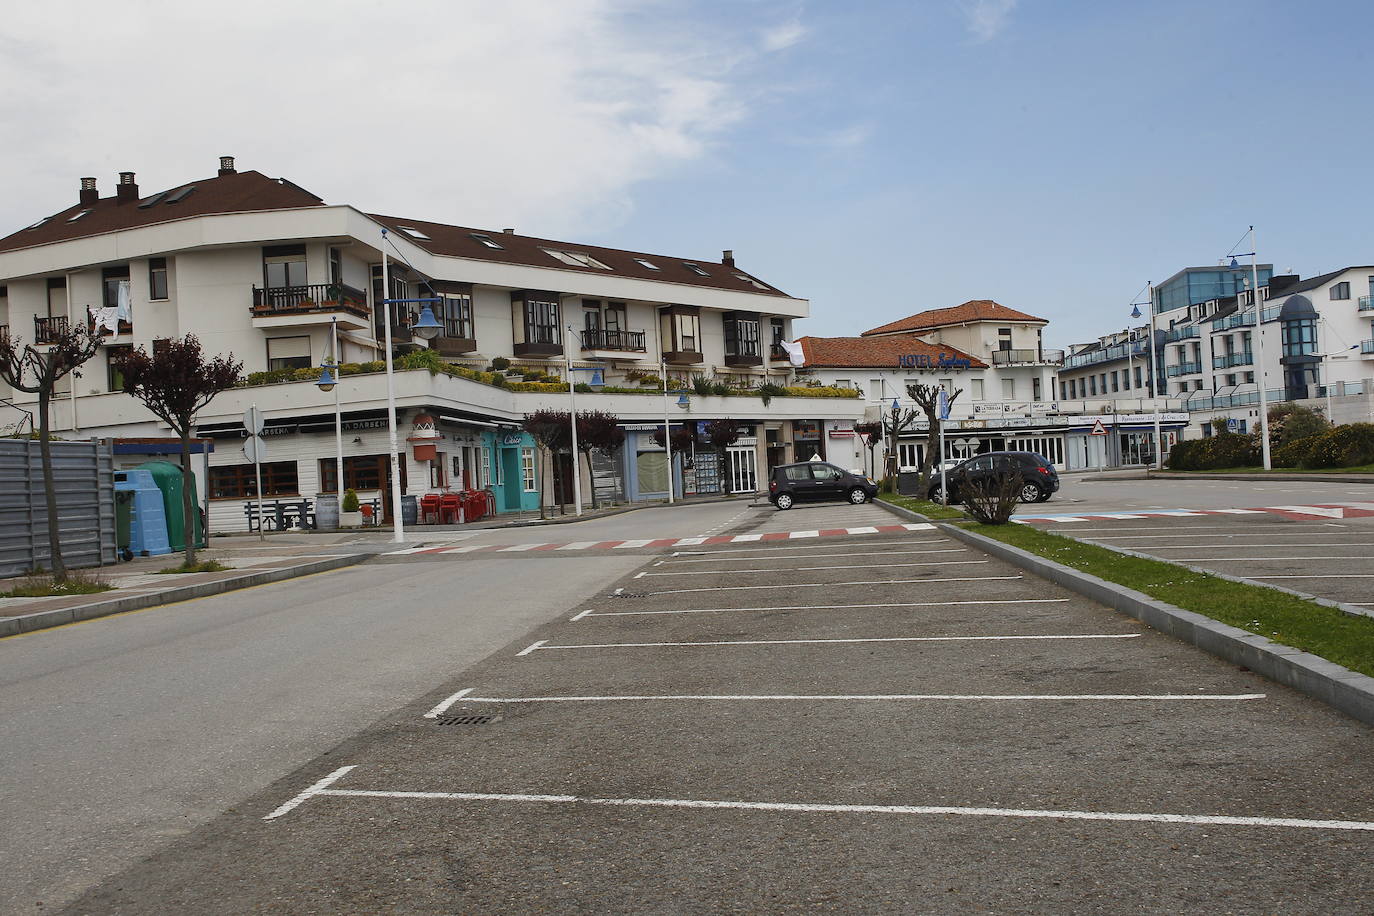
1229,450
1293,454
1342,447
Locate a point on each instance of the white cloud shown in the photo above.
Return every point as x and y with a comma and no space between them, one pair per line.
783,36
986,18
531,114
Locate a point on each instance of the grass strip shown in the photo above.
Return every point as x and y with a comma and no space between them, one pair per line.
44,586
1336,636
207,566
923,506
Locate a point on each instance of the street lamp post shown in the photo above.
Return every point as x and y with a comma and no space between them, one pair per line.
1151,378
1259,347
572,421
330,382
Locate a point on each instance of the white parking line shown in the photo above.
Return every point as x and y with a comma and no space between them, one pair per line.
879,697
439,710
1247,547
810,556
1187,530
591,612
539,644
1211,820
1333,576
1287,526
792,569
541,647
743,588
826,546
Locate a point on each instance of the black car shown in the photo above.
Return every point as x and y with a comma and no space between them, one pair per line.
813,481
1039,479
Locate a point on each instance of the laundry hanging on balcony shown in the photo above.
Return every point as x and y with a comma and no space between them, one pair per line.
110,316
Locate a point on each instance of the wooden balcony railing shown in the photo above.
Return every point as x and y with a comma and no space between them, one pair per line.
604,339
304,300
49,330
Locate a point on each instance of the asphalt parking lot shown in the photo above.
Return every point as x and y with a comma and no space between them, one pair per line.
873,722
1327,556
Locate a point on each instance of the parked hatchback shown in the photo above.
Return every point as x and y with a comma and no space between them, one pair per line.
814,481
1039,479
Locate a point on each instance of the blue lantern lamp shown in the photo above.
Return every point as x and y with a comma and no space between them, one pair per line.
426,327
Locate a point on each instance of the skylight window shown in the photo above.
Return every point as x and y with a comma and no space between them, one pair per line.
40,222
178,196
487,240
413,232
576,259
748,279
72,219
643,263
695,268
152,200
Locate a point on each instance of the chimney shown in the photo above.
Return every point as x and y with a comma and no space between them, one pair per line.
508,231
89,194
226,166
727,257
127,189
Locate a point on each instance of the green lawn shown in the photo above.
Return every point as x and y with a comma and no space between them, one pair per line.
1341,638
206,566
923,506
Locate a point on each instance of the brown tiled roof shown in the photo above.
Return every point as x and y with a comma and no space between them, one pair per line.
457,241
224,194
973,310
875,352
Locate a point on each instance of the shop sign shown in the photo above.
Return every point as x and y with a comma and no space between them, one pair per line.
805,430
925,361
355,425
841,433
512,438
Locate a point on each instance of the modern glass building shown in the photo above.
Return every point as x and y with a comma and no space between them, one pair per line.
1192,285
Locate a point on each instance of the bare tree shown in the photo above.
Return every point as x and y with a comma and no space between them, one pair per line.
869,434
36,369
174,383
927,397
896,421
552,433
992,500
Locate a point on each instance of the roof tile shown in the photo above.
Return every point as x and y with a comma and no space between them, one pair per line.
973,310
875,352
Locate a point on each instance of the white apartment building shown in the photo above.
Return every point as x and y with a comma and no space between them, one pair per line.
996,357
263,269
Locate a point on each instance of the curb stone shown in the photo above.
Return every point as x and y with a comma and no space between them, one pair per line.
42,620
1335,685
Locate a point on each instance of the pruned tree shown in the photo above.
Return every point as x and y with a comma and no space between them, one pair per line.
992,500
894,422
869,434
175,382
552,433
682,439
927,398
36,369
722,434
598,430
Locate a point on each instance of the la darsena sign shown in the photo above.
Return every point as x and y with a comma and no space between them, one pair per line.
925,361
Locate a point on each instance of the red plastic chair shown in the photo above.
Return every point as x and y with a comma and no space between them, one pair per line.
429,507
451,508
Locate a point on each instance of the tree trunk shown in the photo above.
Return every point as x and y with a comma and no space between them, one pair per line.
544,481
188,520
59,568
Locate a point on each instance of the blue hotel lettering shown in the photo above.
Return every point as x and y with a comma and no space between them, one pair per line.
923,361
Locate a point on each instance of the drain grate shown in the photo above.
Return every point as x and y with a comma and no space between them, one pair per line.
466,720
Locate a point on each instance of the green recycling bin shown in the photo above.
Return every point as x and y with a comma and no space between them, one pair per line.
167,476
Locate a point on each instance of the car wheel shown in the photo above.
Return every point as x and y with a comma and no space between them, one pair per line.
934,494
784,501
1032,493
1044,497
857,496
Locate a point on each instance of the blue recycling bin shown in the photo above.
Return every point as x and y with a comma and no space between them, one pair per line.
148,523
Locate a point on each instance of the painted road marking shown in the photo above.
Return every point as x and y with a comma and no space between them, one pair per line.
624,545
321,789
1343,510
1333,576
442,708
810,556
742,588
880,697
752,550
792,569
1249,559
1186,530
592,612
516,547
1243,547
541,647
1325,511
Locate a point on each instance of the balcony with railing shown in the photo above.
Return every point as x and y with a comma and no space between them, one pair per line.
318,303
1183,369
49,330
4,333
1135,348
1173,335
1366,304
1245,319
1366,347
1028,357
540,340
614,343
1227,360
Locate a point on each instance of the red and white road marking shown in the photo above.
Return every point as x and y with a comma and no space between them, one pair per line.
655,543
1297,513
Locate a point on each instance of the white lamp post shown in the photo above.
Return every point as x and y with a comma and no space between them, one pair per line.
1259,348
572,422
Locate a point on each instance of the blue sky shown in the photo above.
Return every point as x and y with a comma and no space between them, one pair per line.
878,158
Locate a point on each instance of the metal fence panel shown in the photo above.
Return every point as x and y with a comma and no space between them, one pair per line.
83,476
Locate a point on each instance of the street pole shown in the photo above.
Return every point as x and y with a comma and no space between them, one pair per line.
1325,365
338,419
572,421
1152,380
1259,351
398,524
667,426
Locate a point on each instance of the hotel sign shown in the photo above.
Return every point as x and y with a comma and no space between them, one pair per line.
926,361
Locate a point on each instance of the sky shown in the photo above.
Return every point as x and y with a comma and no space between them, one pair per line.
877,158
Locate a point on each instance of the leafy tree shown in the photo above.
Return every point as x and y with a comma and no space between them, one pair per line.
552,432
682,438
36,369
722,434
174,383
1289,422
927,397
